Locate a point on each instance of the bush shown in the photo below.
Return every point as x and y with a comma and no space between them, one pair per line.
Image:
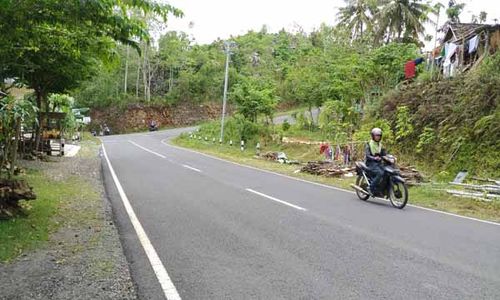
236,128
364,134
285,126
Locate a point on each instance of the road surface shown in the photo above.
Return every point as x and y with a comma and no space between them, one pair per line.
203,228
291,120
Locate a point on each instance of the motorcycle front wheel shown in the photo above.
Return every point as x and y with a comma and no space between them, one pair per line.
361,182
398,194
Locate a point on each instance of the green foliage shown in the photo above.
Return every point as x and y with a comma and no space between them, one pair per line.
386,65
457,120
337,120
13,114
285,126
404,127
454,10
363,134
236,128
302,122
253,96
426,138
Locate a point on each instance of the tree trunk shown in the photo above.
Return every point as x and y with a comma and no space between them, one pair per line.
5,150
138,79
150,79
39,98
145,72
126,71
15,145
170,79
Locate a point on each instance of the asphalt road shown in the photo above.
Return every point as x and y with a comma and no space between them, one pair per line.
224,231
291,120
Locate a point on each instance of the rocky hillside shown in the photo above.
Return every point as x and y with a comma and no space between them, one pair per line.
135,117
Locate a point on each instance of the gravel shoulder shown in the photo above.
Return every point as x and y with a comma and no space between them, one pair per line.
83,258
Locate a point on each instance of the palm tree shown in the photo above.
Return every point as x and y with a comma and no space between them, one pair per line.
403,18
357,16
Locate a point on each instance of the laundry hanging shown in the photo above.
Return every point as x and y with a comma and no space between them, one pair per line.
410,69
419,60
473,44
450,49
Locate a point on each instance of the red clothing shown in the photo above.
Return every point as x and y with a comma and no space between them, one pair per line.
410,69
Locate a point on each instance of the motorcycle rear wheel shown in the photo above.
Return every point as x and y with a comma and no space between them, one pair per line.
361,182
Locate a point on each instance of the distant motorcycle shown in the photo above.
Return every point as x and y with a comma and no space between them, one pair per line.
392,185
107,131
153,126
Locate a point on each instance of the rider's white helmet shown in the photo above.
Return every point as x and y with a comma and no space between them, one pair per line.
376,131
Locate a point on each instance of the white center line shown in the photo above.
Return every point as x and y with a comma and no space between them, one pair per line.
191,168
277,200
161,273
146,149
320,184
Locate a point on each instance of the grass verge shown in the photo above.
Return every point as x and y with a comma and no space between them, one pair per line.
425,196
53,208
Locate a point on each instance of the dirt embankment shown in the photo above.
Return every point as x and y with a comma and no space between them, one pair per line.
135,117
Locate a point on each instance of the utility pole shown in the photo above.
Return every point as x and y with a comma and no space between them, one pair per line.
227,49
438,6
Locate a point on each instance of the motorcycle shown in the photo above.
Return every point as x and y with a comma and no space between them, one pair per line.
392,186
107,131
153,127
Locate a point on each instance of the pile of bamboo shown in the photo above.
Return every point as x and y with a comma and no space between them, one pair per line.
325,168
411,175
485,192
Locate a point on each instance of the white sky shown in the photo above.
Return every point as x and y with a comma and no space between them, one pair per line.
221,18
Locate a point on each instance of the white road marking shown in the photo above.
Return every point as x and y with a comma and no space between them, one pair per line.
146,149
326,186
191,168
277,200
161,273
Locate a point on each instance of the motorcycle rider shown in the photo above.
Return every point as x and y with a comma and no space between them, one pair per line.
373,159
153,126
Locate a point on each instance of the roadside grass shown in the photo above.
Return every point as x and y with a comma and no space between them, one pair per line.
53,208
428,195
89,145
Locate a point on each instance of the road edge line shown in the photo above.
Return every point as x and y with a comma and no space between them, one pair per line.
161,273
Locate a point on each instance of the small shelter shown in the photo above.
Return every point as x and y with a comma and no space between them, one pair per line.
465,45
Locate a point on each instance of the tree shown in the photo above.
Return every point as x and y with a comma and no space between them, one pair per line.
454,10
52,45
253,97
482,17
400,20
357,16
306,83
13,114
173,48
385,64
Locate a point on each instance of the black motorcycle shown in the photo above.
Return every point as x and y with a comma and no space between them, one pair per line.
153,126
392,185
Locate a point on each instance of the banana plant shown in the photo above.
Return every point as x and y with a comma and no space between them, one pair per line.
13,113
